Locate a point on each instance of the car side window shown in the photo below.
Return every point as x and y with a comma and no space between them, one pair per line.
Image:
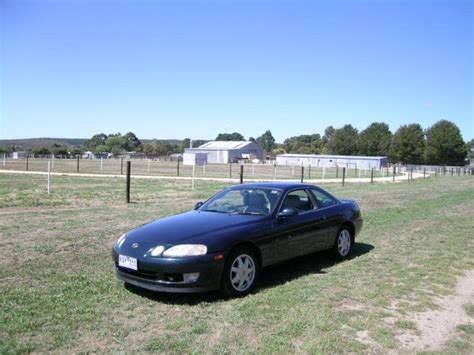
324,200
298,199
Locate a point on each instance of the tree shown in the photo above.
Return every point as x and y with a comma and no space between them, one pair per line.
375,140
344,141
133,141
444,144
40,151
267,141
96,140
304,144
236,136
408,145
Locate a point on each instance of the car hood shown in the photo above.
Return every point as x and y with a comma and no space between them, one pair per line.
189,228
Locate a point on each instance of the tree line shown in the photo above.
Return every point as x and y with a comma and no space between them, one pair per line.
440,144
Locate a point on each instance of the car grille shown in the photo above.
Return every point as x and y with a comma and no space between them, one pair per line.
152,276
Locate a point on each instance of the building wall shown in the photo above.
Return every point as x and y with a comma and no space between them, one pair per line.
321,161
215,156
194,159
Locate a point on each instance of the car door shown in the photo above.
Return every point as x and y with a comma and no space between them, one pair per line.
297,235
330,215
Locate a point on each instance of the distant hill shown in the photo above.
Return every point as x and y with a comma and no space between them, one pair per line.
28,143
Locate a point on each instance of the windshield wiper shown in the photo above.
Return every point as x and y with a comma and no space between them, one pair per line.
251,213
215,211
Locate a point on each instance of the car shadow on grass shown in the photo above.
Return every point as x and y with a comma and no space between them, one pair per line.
270,276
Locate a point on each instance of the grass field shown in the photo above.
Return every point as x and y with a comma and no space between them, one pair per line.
59,292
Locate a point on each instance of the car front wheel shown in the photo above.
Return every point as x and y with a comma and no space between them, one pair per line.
343,244
240,272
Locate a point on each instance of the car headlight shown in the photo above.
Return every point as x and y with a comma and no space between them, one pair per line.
156,251
185,250
121,240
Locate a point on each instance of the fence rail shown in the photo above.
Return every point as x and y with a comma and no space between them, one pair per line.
148,168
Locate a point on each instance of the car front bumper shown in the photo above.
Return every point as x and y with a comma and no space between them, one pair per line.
166,274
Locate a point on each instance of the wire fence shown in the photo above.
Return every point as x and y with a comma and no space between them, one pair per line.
154,167
232,172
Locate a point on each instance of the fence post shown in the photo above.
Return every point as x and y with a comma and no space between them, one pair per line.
451,171
52,162
4,158
274,171
101,163
372,175
343,175
302,173
394,172
293,169
324,173
230,170
77,166
337,171
27,156
177,167
309,172
49,176
424,173
129,168
241,173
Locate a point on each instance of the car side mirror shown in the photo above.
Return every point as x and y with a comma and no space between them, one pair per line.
288,212
198,205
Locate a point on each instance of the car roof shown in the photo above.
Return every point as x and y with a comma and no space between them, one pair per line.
283,185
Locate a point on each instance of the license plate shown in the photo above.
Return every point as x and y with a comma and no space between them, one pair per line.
128,262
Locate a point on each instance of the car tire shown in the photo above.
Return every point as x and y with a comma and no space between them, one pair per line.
343,244
240,272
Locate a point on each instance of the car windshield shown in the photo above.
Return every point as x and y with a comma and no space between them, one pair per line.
242,200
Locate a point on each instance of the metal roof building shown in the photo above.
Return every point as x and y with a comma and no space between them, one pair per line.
228,151
349,161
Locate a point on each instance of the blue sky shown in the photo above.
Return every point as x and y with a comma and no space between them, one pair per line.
176,69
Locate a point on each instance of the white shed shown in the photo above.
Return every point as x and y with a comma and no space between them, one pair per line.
228,151
19,155
195,159
349,161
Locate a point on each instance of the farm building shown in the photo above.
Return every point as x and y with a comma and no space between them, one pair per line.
19,155
349,161
228,151
195,159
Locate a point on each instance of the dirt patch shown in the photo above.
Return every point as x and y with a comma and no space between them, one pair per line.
436,327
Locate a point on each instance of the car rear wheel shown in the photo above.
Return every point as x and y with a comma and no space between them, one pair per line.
240,272
343,244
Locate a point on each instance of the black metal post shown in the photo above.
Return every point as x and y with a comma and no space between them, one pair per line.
27,156
177,168
309,172
343,176
129,168
77,167
337,172
230,170
394,173
241,173
302,173
424,173
372,175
